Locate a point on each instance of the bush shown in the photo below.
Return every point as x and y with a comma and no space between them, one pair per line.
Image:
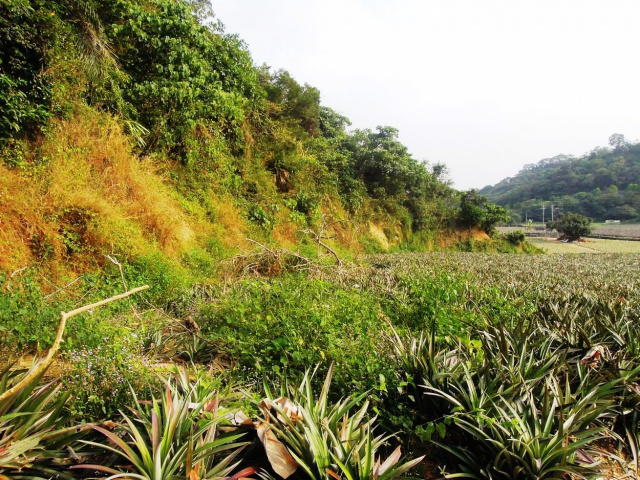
103,378
287,324
515,238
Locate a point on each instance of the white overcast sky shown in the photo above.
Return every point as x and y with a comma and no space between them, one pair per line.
484,86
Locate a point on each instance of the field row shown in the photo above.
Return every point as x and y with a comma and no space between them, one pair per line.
605,230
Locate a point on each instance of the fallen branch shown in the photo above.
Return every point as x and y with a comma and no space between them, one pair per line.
319,236
260,245
318,239
37,368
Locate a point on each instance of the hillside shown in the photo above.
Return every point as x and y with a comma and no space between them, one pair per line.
141,130
603,184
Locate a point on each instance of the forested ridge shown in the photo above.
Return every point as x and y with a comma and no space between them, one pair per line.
603,184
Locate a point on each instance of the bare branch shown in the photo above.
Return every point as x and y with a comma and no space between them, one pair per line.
16,272
319,241
115,261
260,245
37,368
61,288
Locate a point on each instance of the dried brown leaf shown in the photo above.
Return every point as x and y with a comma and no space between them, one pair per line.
279,457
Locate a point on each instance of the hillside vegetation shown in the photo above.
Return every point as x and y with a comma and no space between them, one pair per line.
603,184
143,130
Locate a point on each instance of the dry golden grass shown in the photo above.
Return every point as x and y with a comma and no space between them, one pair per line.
91,167
450,237
284,234
20,220
377,233
85,175
229,225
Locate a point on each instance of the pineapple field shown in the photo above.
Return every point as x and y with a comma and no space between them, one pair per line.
433,365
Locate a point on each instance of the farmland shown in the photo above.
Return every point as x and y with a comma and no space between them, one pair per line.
612,231
588,245
443,349
617,230
604,238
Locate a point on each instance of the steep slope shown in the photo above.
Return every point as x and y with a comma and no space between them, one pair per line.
139,130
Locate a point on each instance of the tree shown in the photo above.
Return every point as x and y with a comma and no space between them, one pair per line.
332,124
617,141
572,226
297,102
182,77
36,40
476,211
381,162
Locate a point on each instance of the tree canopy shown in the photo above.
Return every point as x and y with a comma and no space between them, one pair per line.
476,210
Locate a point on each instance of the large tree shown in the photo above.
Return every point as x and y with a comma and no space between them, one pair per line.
572,226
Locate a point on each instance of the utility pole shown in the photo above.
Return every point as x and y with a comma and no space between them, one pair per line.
543,209
552,212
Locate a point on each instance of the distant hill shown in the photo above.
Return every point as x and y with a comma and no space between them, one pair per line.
603,184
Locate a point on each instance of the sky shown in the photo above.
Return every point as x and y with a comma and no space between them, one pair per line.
483,86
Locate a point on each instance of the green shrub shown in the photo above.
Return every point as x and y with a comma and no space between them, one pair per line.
287,324
26,319
261,217
515,238
167,281
29,317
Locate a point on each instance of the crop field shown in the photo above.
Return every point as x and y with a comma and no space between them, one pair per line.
588,245
613,230
532,359
628,232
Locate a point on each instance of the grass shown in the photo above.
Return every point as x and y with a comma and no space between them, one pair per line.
614,246
83,194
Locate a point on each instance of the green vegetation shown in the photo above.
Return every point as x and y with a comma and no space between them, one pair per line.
602,184
33,432
533,359
572,226
321,436
476,210
142,129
